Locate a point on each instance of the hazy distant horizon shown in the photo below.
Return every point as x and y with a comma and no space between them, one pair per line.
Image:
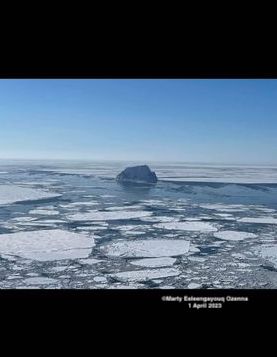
139,161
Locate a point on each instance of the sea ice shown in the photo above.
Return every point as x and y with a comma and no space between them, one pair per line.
44,212
160,219
147,248
23,219
39,281
59,269
262,220
123,208
188,226
90,261
197,259
224,208
194,286
73,204
268,252
154,262
234,235
46,245
12,193
143,275
104,215
101,279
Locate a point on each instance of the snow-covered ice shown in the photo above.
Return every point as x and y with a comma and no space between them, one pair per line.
39,281
123,208
45,212
23,219
234,235
12,193
154,262
46,245
188,226
143,275
262,220
147,248
268,252
103,215
194,286
224,208
90,261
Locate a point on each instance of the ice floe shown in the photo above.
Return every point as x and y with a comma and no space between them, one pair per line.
123,208
160,219
90,261
154,262
224,208
194,286
12,193
44,212
188,226
147,248
39,281
104,215
73,204
268,252
46,245
197,259
262,220
100,279
234,235
238,256
143,275
59,269
23,219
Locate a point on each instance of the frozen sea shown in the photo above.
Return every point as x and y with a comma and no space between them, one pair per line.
71,225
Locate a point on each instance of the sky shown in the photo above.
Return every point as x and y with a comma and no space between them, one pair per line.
208,121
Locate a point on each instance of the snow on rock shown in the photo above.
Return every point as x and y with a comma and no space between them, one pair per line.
143,275
262,220
154,262
137,174
234,235
147,248
188,226
12,193
44,245
104,215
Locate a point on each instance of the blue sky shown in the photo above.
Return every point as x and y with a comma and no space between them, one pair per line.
227,121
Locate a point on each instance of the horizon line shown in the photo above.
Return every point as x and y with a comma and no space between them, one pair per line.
140,160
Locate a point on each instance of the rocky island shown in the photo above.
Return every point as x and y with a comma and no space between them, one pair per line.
137,174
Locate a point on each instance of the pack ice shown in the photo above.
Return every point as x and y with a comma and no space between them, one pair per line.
147,248
234,235
188,226
269,253
12,193
103,215
44,245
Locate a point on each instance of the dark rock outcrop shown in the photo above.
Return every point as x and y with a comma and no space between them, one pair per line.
137,174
